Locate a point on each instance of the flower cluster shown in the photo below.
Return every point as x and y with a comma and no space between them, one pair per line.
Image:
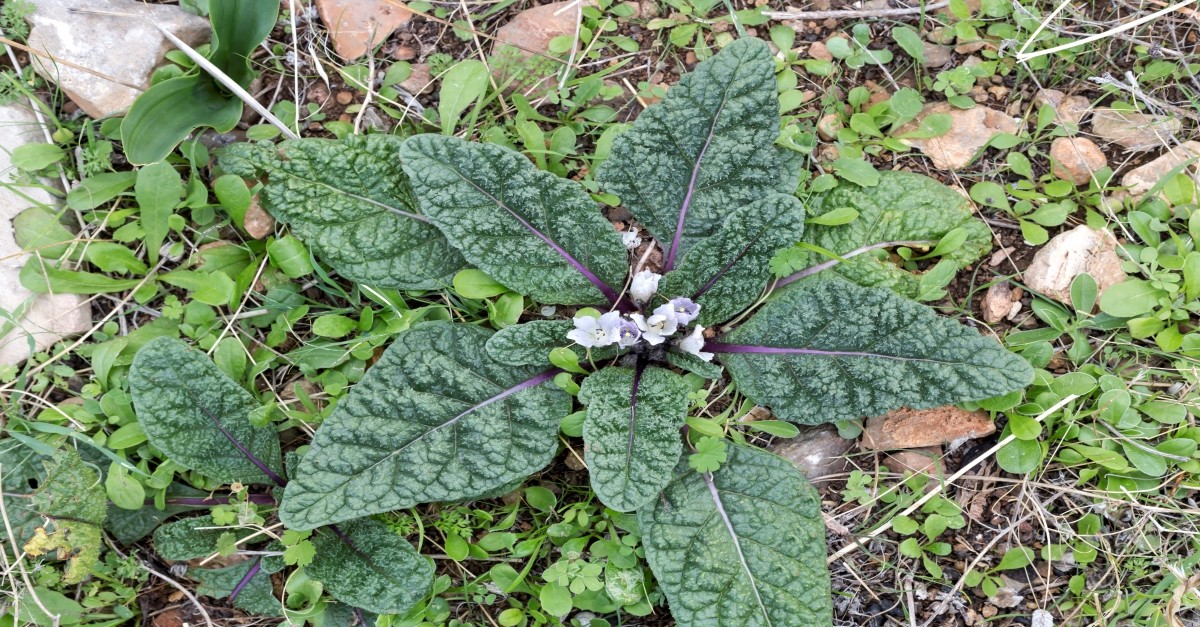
665,321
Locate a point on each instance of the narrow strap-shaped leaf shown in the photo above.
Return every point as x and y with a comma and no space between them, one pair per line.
632,432
827,349
435,419
706,149
351,202
742,546
534,232
199,417
166,113
725,273
367,565
239,26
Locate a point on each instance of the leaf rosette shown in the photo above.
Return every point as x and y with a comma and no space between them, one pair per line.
455,412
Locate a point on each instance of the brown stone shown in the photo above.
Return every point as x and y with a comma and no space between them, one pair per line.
997,303
404,53
531,30
1075,159
936,55
1070,109
970,130
345,97
418,80
525,39
1134,131
828,127
819,51
356,26
817,452
925,460
258,223
912,428
1070,254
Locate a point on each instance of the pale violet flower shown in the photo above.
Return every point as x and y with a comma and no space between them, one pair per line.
693,343
592,332
644,285
630,239
628,333
685,310
660,325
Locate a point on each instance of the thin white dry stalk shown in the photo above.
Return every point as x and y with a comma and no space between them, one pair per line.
566,71
862,540
229,83
855,13
1022,56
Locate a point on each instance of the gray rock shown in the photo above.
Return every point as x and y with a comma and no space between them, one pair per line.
1070,254
817,452
937,55
970,130
1134,131
45,318
1143,178
121,50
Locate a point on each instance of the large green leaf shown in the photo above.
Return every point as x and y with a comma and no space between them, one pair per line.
743,546
533,232
23,472
632,432
365,564
530,343
189,538
705,150
199,417
903,208
827,349
168,112
435,419
726,273
72,499
256,595
351,201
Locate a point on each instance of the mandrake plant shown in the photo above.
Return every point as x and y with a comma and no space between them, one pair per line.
453,412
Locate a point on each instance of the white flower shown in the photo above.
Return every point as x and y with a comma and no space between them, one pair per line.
658,326
548,310
645,284
685,310
630,239
628,333
693,343
592,332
